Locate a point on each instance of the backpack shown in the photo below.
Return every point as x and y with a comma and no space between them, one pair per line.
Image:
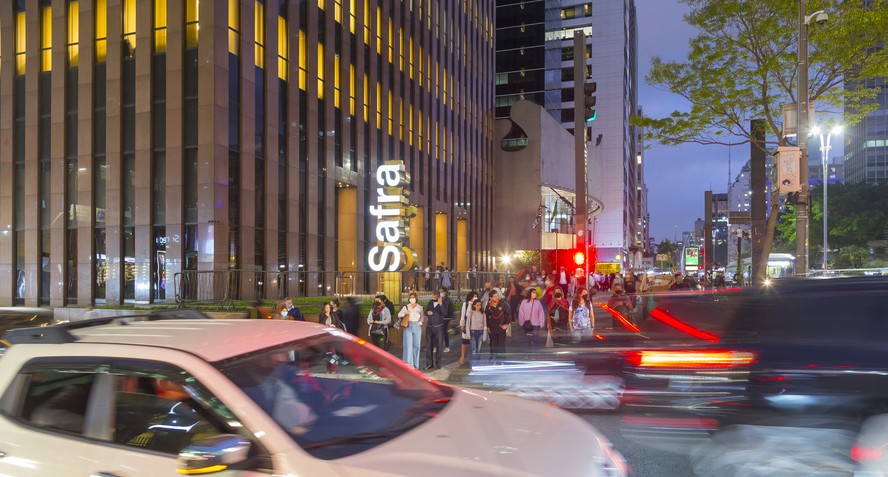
391,306
581,320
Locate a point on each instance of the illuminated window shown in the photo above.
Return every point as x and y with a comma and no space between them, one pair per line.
378,105
391,41
129,27
337,11
337,82
352,20
391,113
234,27
321,73
20,42
322,4
101,30
283,49
351,89
259,48
303,62
192,22
366,98
73,34
411,57
46,39
366,22
160,26
378,30
410,125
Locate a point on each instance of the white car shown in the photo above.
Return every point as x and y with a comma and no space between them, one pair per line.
162,395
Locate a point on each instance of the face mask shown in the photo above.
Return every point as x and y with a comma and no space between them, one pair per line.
412,300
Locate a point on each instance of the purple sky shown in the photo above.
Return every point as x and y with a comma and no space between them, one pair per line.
676,176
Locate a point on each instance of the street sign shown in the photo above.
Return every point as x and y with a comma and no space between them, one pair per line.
662,257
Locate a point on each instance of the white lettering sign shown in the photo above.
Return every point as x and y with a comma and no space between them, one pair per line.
393,214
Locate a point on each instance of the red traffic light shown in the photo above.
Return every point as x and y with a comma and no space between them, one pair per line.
579,257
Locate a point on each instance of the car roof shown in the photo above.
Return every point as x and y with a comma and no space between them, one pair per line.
210,339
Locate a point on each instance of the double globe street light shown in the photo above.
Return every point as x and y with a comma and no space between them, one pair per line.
825,146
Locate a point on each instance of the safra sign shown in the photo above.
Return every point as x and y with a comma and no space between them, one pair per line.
392,213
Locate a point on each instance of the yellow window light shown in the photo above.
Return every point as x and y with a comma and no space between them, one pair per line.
160,26
259,35
321,74
101,30
46,39
73,34
192,23
283,49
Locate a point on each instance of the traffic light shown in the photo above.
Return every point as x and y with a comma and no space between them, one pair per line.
589,90
579,257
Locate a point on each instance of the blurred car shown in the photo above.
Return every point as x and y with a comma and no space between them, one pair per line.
796,354
11,318
161,394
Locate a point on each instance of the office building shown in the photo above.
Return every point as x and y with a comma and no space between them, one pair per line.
866,143
147,143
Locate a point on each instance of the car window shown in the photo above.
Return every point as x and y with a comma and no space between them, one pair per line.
55,399
335,396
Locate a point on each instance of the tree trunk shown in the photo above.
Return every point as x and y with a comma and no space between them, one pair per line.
762,272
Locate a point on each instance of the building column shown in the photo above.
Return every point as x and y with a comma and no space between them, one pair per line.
58,172
144,200
7,162
174,153
85,213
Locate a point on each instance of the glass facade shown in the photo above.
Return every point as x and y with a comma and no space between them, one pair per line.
179,181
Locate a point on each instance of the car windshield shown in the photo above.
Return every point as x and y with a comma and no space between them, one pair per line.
335,395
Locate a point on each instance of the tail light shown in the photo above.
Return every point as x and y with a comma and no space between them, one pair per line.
692,359
866,454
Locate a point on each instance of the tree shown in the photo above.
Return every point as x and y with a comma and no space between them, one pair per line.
670,248
858,215
742,65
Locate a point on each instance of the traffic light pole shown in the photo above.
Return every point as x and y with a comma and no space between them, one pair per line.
580,171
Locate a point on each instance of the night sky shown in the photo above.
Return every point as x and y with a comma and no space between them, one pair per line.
676,176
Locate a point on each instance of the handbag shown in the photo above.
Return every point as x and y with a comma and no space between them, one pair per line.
377,329
528,326
405,322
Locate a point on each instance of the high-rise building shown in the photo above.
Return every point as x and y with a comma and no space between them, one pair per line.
866,143
238,147
535,59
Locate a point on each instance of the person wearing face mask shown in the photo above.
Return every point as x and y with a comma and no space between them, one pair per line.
558,312
497,322
464,325
379,320
531,318
410,321
434,330
620,302
582,320
447,314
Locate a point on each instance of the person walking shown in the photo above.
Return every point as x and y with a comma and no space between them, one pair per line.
531,318
563,279
476,327
379,320
719,281
326,316
620,302
558,312
497,322
463,319
514,295
447,278
337,315
351,316
434,330
582,319
447,315
680,283
410,322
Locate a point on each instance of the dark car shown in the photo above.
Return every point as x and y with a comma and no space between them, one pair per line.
795,348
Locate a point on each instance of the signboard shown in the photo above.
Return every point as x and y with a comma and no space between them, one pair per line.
393,214
662,257
692,258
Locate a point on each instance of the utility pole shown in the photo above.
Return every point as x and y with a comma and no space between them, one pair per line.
802,205
583,103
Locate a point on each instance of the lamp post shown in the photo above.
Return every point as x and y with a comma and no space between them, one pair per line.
803,205
825,146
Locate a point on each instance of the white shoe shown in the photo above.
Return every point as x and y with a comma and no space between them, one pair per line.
446,350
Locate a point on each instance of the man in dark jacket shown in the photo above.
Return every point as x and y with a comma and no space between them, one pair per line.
351,316
447,313
434,330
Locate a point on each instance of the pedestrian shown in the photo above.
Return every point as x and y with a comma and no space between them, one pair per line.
447,315
473,277
379,320
680,283
326,316
290,311
476,327
549,293
464,329
514,294
428,277
620,303
558,314
446,279
410,321
719,281
644,298
582,319
351,316
531,317
534,273
738,279
563,279
434,330
337,315
485,295
497,323
262,312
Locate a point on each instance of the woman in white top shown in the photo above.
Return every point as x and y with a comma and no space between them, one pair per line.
413,331
466,337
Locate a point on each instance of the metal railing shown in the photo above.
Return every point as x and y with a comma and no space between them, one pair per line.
222,286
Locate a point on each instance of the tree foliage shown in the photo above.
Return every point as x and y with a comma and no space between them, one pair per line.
742,65
858,216
670,248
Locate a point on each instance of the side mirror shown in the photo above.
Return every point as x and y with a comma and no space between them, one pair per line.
213,454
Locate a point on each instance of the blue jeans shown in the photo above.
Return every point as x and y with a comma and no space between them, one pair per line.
412,344
475,338
582,334
533,339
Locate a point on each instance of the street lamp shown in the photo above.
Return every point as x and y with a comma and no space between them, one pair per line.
825,146
803,206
